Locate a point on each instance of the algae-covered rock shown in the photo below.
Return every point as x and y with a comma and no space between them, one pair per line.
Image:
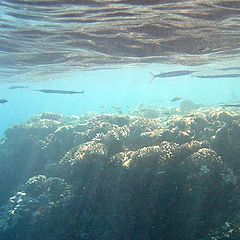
20,152
122,177
226,142
39,206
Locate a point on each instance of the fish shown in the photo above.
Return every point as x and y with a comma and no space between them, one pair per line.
175,99
17,87
219,76
60,91
117,108
3,101
229,68
230,105
188,105
171,74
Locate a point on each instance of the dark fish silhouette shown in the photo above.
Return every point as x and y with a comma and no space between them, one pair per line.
176,99
188,105
171,74
230,105
17,87
60,91
229,68
219,76
3,101
117,108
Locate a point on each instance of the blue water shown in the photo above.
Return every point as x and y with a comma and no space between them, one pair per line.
126,87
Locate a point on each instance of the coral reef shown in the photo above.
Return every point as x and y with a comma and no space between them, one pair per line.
40,204
122,177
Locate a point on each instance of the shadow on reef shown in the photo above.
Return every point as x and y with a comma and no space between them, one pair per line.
122,177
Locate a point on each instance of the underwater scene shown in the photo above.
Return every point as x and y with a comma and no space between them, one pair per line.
120,120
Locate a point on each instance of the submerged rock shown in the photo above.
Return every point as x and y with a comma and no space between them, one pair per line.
122,177
39,205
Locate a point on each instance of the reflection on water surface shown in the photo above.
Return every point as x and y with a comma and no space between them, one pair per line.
52,36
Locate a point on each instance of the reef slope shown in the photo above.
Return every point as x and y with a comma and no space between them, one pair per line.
122,177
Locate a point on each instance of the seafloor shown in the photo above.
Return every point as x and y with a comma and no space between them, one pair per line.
122,177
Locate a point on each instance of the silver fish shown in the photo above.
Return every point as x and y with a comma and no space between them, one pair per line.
175,99
171,74
230,105
60,91
17,87
219,76
3,101
229,68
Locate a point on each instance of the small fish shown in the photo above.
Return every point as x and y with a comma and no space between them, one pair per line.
219,76
230,105
175,99
166,113
3,101
171,74
229,68
117,108
188,105
60,91
17,87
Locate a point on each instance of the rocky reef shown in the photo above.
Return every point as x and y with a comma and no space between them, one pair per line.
122,177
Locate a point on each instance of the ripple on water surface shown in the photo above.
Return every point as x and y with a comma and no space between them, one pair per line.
65,35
